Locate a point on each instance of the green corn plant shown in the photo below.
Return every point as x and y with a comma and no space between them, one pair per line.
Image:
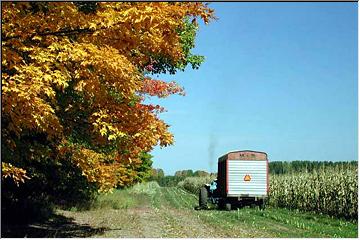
330,190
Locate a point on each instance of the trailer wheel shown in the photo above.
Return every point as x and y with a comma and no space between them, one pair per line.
221,204
228,206
203,196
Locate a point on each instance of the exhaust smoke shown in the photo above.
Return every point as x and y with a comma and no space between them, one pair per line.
211,152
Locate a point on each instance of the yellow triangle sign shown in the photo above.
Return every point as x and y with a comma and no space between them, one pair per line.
247,178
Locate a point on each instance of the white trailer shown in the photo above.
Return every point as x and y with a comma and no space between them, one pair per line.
243,178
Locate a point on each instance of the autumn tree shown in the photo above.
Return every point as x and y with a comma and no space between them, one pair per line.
74,80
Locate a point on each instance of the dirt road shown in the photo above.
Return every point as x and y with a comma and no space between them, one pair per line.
169,212
148,210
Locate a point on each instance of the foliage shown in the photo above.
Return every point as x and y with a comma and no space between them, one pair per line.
17,174
33,200
184,173
157,173
172,181
76,75
200,173
144,171
169,181
191,173
332,190
193,184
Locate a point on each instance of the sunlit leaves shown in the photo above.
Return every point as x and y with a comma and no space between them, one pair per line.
78,73
161,88
18,175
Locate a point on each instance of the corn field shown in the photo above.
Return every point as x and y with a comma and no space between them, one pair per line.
332,191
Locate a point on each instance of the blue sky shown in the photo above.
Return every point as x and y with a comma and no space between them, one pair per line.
278,77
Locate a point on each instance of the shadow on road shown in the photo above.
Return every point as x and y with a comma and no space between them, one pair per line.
57,226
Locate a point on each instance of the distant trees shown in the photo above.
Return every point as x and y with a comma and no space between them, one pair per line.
172,181
200,173
191,173
184,173
157,173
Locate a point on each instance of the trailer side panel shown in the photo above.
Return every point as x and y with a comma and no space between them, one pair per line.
222,177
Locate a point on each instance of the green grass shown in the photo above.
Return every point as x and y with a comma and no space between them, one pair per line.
281,223
126,198
117,200
276,222
167,204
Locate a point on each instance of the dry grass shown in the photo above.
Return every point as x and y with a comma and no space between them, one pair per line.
331,191
126,198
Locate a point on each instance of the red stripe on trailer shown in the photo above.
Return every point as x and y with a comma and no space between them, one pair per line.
227,176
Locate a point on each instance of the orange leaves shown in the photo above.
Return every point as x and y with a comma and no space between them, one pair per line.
100,169
77,73
160,88
18,175
95,168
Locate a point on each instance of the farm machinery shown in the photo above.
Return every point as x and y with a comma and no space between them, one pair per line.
242,180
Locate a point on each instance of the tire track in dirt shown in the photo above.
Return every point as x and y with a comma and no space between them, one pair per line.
180,219
205,223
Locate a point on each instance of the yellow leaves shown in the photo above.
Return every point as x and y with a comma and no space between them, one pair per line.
92,26
112,137
49,92
71,70
37,38
27,110
137,134
103,131
105,128
18,175
96,168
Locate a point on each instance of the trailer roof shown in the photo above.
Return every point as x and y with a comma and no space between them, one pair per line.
244,155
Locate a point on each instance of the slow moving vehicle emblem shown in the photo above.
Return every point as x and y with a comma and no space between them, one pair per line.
247,178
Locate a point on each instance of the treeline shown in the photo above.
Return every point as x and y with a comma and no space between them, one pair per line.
172,181
283,167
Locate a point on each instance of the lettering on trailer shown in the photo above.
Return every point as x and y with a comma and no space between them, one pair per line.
247,155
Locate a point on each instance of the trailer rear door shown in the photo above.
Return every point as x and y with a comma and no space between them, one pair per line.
246,177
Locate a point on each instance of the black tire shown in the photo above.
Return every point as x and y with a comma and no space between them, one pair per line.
221,204
228,206
203,197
